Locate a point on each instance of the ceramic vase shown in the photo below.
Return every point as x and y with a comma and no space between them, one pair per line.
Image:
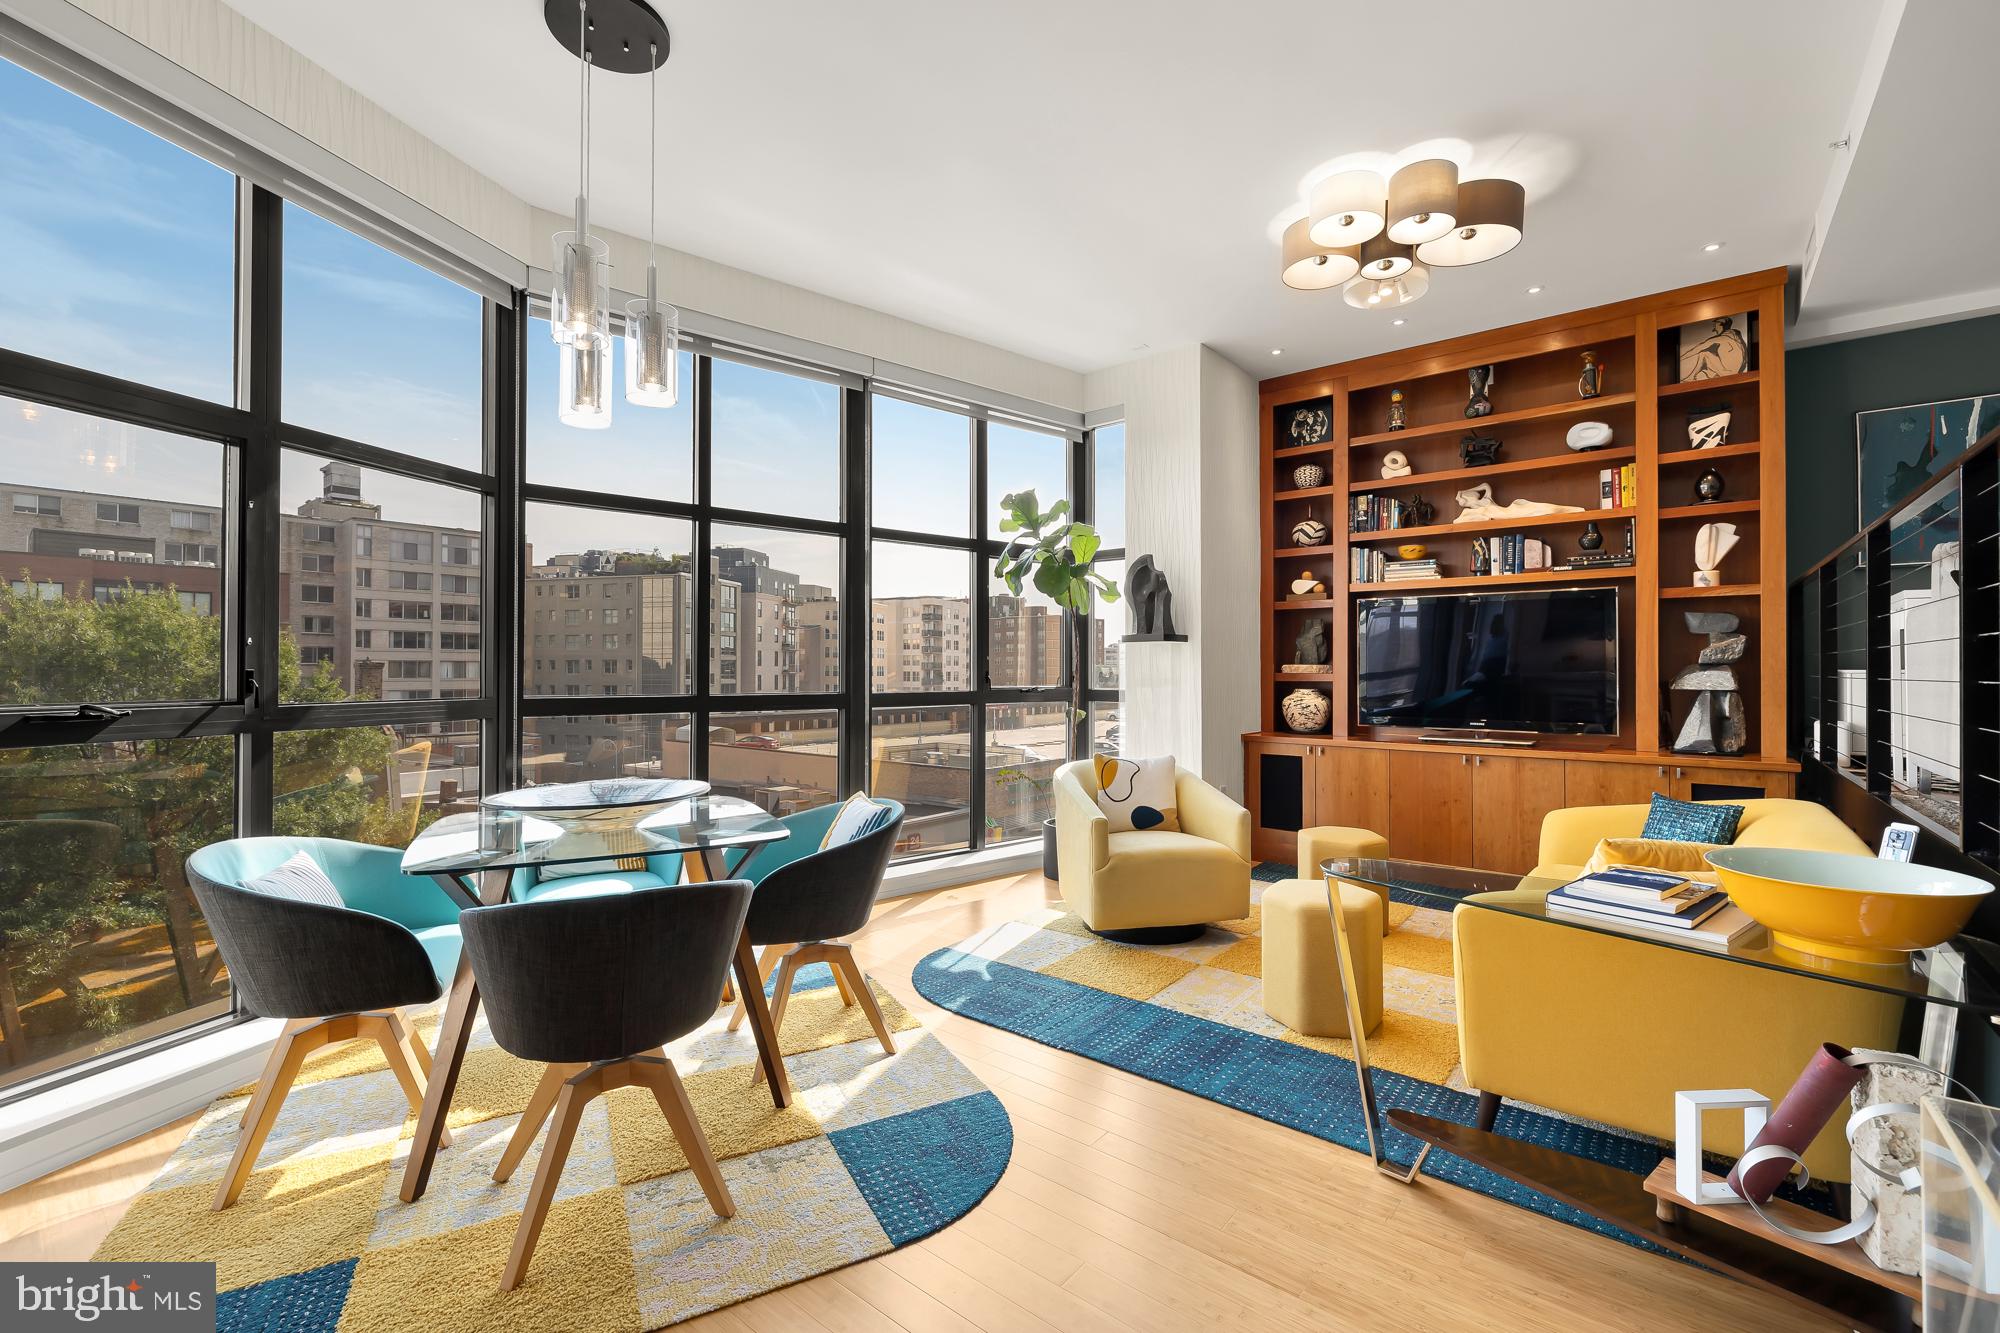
1308,532
1305,710
1308,475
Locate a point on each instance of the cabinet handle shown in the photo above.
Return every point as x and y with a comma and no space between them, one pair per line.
1479,759
1663,770
1680,772
1465,759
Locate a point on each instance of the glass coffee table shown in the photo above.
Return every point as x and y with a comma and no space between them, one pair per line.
1961,976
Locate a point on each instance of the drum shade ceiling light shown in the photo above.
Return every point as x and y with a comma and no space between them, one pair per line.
1378,241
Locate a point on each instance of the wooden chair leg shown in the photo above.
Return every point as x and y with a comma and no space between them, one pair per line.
788,968
418,1051
842,960
576,1092
659,1074
839,977
530,1123
388,1032
297,1041
767,963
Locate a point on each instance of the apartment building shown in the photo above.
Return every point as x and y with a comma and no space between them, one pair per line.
69,543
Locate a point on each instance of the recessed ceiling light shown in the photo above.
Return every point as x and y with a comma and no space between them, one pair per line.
1277,351
1534,291
1711,247
1399,321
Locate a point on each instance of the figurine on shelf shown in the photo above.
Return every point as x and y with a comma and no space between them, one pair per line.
1398,416
1306,588
1586,435
1309,649
1708,427
1481,379
1591,382
1708,487
1591,539
1309,531
1421,512
1712,541
1477,505
1482,559
1476,450
1395,464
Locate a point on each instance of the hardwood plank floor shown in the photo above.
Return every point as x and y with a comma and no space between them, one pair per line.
1129,1207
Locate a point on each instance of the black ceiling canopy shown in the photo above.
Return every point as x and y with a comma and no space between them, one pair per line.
621,33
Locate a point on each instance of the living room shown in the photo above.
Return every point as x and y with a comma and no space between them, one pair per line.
1381,716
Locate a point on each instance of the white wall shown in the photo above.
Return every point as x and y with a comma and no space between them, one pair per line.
1231,547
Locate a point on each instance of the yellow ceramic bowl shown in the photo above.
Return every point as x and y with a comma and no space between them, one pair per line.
1413,551
1852,907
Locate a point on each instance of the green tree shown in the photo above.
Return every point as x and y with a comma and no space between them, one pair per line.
164,797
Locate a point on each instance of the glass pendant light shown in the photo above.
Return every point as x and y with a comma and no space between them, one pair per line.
652,330
580,304
583,384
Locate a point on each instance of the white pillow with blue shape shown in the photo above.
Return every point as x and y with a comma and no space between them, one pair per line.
1137,795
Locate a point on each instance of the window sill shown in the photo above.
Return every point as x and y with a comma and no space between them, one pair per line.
943,872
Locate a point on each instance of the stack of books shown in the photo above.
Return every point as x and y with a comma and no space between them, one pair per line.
1618,487
1411,571
1652,900
1375,513
1517,553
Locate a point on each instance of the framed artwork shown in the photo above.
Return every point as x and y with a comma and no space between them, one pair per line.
1712,349
1307,423
1898,450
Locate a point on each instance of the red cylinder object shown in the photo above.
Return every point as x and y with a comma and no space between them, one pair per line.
1821,1089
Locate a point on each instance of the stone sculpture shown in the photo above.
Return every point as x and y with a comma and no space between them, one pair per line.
1309,649
1477,505
1152,601
1715,724
1476,450
1306,586
1395,464
1712,541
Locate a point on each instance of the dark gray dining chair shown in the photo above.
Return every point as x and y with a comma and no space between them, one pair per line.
334,971
811,900
595,987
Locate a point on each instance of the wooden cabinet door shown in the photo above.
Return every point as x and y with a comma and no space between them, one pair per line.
1587,783
1353,788
1280,783
1430,807
1727,784
1510,794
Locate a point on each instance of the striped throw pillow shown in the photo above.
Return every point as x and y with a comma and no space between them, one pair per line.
299,879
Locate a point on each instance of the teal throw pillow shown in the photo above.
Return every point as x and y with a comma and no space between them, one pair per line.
1688,821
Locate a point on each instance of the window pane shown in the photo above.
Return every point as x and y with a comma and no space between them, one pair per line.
923,758
1107,734
776,443
777,612
573,749
921,636
921,462
1108,485
373,784
782,761
377,348
645,451
112,540
121,246
1024,636
1025,745
1107,630
105,945
1924,642
609,605
1023,460
378,585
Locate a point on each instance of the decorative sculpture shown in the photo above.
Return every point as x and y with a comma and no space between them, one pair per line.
1588,435
1708,487
1591,539
1311,425
1412,551
1421,512
1308,475
1309,532
1591,382
1152,601
1715,724
1305,710
1712,541
1477,505
1398,414
1395,464
1476,450
1305,586
1309,649
1479,403
1708,428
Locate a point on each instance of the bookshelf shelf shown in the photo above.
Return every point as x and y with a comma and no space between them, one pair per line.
1720,384
1304,450
1489,525
1595,459
1725,590
1681,457
1580,407
1501,580
1313,494
1711,510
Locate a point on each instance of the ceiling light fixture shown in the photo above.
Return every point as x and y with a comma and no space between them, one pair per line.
1399,321
1711,247
1277,351
1378,241
652,330
1534,291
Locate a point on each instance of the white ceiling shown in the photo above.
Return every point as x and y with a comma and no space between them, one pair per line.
1078,181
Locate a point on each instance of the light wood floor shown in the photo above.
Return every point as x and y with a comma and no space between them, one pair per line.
1129,1207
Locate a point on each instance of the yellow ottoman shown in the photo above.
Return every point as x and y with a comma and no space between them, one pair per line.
1327,841
1301,969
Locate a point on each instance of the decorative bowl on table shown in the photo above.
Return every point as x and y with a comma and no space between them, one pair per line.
1837,905
597,800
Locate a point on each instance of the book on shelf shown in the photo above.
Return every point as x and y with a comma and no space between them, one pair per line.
1607,497
1376,513
1718,931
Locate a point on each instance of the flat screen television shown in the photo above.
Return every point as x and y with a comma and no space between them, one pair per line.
1541,661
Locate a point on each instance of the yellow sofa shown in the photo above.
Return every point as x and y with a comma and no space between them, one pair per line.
1609,1029
1150,879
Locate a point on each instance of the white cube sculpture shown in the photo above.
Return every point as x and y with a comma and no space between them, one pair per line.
1688,1110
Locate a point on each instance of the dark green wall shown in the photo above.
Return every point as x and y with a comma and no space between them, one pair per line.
1826,385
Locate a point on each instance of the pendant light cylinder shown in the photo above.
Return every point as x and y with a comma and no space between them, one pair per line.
652,352
1491,218
580,304
583,385
1311,267
1423,201
1382,258
1346,209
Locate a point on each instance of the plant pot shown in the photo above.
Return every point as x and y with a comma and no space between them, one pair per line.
1048,849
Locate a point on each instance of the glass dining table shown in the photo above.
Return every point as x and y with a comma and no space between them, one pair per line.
477,857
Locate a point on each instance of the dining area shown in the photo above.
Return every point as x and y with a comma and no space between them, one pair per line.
609,1008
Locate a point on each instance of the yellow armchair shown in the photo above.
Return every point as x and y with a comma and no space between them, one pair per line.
1609,1028
1154,885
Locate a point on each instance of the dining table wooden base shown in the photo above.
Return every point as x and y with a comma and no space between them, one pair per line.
461,1007
750,986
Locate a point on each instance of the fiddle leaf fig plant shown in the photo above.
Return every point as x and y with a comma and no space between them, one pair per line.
1053,551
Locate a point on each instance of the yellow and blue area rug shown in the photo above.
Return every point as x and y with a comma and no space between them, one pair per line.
875,1151
1192,1016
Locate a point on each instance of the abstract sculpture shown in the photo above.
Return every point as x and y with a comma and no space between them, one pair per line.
1305,586
1478,505
1479,404
1152,601
1309,649
1395,464
1712,541
1708,428
1588,435
1476,450
1715,724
